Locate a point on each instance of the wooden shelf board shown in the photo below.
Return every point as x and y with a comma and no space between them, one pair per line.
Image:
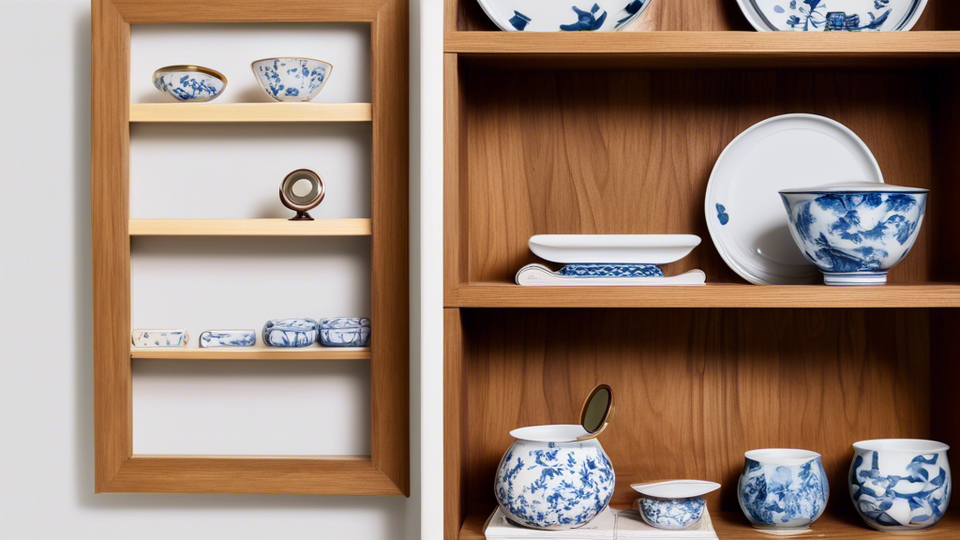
712,295
250,227
251,112
733,526
682,48
258,352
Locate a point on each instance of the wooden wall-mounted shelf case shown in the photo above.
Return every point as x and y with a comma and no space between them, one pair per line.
618,133
386,470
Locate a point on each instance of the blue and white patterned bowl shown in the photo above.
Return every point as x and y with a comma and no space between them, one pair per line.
190,83
550,480
673,505
290,332
345,332
900,485
563,15
292,79
782,488
855,232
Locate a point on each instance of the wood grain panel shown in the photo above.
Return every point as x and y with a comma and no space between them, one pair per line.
694,389
455,208
250,227
253,11
631,152
109,198
454,425
250,112
692,15
256,352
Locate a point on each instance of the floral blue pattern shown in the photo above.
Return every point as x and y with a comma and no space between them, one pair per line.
555,485
915,498
722,216
159,338
837,15
783,496
671,514
292,79
556,15
345,332
189,85
855,232
228,338
290,332
588,270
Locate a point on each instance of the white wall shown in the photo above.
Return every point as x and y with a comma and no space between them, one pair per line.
46,386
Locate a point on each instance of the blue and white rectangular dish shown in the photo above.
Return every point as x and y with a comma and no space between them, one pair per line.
345,332
228,338
159,338
290,332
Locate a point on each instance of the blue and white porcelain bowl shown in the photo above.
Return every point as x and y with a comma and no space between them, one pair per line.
190,83
550,480
900,485
290,332
563,15
855,232
292,79
782,488
345,332
673,505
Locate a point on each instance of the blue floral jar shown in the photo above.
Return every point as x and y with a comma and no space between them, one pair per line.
550,480
782,488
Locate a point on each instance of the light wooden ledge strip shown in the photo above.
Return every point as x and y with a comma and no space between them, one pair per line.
250,227
707,44
712,295
251,112
259,352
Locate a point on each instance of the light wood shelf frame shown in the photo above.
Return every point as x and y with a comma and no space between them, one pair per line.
257,352
250,112
386,470
251,227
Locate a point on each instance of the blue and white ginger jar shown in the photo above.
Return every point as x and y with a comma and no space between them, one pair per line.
782,488
550,480
900,485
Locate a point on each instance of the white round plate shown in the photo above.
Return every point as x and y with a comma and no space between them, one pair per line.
613,248
832,15
676,489
745,214
563,15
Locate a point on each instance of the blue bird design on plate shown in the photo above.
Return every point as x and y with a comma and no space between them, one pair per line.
722,214
519,20
587,20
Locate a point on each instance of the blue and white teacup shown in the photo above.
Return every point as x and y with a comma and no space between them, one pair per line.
782,488
900,485
292,79
190,83
673,505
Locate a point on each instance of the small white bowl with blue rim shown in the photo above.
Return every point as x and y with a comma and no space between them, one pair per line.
292,78
673,505
190,83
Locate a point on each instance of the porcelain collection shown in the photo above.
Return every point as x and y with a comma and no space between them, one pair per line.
855,232
292,79
673,505
563,15
548,479
228,338
190,83
900,485
782,488
345,332
832,15
159,338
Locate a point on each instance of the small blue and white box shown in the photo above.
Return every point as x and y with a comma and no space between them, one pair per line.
228,338
290,332
345,332
159,338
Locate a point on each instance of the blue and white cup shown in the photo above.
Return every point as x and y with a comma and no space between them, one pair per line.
673,505
782,488
900,485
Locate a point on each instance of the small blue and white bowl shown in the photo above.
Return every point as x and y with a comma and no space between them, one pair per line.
190,83
900,485
292,79
290,332
345,332
783,489
855,232
673,505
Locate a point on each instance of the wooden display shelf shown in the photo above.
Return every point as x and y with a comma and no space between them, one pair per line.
733,526
258,352
251,112
250,227
686,49
711,295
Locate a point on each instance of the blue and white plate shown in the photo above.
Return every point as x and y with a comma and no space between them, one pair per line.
563,15
743,207
832,15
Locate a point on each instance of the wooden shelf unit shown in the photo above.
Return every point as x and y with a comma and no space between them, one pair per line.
250,227
618,133
250,112
385,471
258,352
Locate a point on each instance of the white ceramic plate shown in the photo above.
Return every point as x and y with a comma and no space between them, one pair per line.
832,15
676,489
613,248
563,15
744,211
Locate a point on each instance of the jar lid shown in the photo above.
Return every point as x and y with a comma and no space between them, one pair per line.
594,415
